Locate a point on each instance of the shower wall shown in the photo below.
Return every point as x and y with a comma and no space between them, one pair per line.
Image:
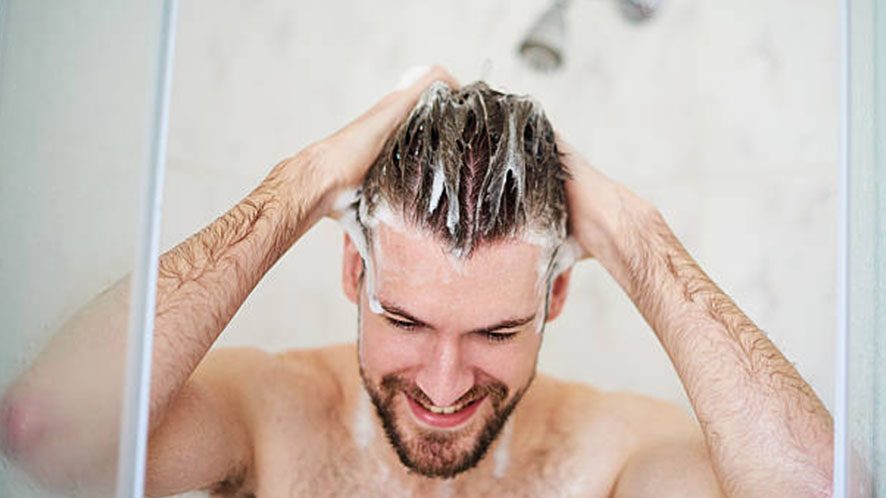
724,114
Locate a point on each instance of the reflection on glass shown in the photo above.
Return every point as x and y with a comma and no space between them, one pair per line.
75,87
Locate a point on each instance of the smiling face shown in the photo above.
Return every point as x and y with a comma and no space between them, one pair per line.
455,345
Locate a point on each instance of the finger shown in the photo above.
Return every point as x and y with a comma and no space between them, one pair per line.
414,74
566,150
577,169
415,80
394,107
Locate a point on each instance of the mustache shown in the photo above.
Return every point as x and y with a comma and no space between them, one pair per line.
393,383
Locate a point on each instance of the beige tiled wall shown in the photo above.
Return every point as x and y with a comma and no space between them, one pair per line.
724,114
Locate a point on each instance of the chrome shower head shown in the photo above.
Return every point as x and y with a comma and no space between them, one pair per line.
543,47
638,10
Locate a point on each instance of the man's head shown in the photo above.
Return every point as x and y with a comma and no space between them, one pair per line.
453,262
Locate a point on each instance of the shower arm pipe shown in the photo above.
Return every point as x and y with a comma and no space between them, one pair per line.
132,451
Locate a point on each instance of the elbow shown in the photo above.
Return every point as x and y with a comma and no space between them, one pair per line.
27,441
20,429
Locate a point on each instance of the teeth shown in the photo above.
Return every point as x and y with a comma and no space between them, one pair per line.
445,410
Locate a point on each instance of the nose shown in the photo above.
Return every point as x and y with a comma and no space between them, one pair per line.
444,377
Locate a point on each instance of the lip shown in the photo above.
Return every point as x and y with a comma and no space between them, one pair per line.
440,420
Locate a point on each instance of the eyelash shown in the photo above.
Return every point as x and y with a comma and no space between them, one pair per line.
400,324
499,338
492,337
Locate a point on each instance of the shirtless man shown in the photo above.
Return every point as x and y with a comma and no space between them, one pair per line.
454,279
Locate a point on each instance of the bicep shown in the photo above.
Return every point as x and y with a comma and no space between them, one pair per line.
203,438
669,469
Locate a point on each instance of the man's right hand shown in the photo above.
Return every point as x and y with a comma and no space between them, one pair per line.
340,161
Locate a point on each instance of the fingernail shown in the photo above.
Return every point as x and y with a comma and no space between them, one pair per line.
411,75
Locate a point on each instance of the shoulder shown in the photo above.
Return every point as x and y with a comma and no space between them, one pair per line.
238,403
633,417
651,447
304,380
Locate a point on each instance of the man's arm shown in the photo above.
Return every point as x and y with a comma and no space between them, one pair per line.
59,419
766,431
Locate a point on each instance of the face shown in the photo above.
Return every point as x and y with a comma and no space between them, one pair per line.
455,344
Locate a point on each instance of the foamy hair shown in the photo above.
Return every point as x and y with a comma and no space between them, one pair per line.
470,166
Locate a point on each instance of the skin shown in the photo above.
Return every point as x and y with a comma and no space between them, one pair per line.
242,422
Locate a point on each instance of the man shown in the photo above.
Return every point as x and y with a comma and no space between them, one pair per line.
457,257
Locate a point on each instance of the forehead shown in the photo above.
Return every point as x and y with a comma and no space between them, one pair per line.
416,273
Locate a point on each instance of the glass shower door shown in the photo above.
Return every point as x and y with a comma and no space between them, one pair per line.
860,463
81,116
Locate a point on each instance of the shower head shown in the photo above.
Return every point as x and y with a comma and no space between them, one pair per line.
544,46
638,10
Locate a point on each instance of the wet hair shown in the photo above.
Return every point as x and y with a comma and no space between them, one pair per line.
471,166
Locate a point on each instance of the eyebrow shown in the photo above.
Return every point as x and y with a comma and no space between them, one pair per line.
504,324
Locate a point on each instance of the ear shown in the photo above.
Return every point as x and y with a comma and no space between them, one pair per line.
351,270
559,290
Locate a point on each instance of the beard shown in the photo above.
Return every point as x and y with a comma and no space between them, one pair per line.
441,453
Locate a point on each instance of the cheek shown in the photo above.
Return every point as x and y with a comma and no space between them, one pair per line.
512,363
385,350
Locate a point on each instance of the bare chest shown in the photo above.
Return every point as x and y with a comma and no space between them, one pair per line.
330,463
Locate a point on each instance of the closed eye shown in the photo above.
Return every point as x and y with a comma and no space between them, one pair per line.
400,324
499,337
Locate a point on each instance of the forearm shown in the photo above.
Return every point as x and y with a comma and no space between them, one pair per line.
767,432
61,416
203,281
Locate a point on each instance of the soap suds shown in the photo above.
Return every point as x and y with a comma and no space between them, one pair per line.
444,489
346,211
436,188
502,455
364,426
